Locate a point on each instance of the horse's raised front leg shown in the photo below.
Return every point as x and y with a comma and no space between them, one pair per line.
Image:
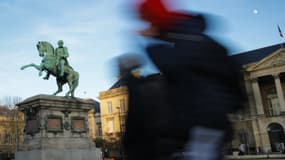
59,86
38,67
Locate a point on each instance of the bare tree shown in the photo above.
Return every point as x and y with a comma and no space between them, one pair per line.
11,123
10,101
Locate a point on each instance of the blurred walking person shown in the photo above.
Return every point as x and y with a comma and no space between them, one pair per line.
202,86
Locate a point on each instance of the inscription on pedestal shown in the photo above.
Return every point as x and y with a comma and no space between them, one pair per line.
54,124
78,124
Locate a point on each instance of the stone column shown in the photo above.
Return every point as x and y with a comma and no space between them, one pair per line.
279,90
257,97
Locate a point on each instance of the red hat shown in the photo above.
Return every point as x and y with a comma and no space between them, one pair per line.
155,12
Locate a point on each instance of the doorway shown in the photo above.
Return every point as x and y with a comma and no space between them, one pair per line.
276,137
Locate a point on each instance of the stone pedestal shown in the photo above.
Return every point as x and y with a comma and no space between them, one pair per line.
56,128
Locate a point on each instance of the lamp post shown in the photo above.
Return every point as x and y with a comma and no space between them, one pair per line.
120,133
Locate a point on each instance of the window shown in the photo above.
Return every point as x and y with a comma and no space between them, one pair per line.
270,99
110,126
273,105
110,110
123,105
7,138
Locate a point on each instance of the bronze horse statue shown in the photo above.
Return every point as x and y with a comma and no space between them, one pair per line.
49,65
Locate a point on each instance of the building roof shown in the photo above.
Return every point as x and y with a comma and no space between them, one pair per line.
254,55
240,58
121,82
96,106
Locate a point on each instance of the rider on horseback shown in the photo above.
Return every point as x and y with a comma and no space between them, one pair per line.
54,62
61,54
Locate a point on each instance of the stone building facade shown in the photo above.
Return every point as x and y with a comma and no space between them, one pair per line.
261,124
113,106
11,129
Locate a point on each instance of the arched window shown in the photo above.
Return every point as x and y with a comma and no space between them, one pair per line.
276,136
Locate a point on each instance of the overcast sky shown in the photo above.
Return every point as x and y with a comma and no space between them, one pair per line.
96,31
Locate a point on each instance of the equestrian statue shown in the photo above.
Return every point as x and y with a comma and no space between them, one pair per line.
54,62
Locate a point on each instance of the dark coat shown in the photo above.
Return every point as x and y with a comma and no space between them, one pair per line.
148,118
200,87
204,83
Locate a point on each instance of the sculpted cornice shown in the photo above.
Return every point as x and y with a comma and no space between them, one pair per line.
113,92
277,58
267,72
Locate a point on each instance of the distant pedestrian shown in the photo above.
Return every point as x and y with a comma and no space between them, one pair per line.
258,150
105,154
282,147
242,149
